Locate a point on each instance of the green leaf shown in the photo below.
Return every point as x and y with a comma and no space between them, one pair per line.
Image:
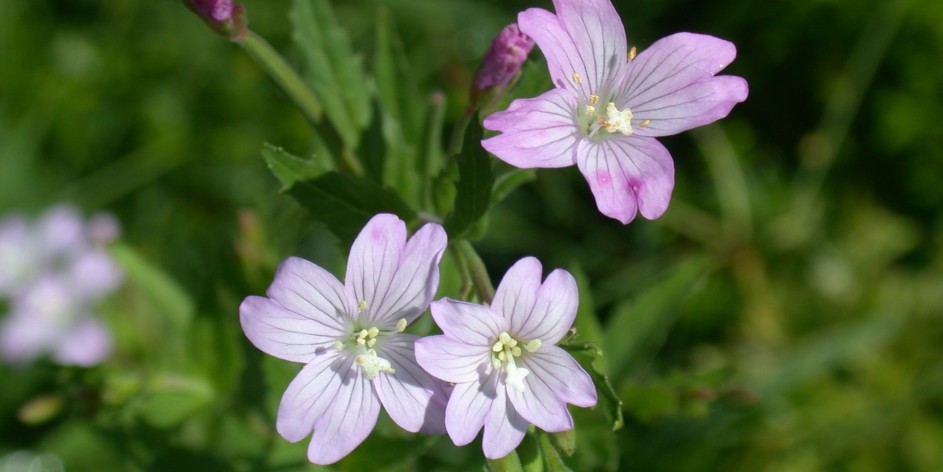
638,327
476,180
529,453
344,203
334,72
587,323
586,353
169,399
508,463
290,169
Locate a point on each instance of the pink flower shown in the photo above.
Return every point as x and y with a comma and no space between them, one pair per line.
223,16
350,336
504,59
609,105
502,359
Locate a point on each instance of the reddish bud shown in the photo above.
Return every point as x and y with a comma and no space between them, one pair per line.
504,59
223,16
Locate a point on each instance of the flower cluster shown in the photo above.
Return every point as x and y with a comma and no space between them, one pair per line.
494,367
52,274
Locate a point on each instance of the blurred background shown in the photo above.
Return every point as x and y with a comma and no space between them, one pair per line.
783,315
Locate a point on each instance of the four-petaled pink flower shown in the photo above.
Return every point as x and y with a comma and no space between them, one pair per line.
502,359
609,105
350,336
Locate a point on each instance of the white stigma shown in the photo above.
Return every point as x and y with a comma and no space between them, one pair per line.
618,121
504,350
373,364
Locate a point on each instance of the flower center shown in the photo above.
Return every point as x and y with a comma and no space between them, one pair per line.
612,120
361,344
503,352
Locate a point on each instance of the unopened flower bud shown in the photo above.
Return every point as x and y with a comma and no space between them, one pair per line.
223,16
503,60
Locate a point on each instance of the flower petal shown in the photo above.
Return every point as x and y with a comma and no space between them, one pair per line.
539,405
285,333
584,38
347,421
86,344
562,375
396,279
313,293
597,31
553,311
413,398
628,174
468,322
672,84
311,393
517,291
504,427
536,132
468,407
452,360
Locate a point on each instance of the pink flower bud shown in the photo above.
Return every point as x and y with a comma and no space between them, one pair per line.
223,16
504,59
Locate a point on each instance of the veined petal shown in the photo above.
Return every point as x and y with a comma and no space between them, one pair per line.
88,343
312,292
539,405
468,322
536,132
468,407
285,333
628,174
672,84
504,427
452,360
597,31
413,398
347,421
561,374
311,393
517,292
416,279
553,311
563,57
396,279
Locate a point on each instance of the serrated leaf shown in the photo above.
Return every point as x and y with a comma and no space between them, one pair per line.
475,182
290,169
333,71
344,203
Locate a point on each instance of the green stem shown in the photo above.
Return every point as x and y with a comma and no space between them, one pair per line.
479,274
266,56
458,132
297,89
508,463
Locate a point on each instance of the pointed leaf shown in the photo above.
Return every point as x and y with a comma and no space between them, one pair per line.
476,180
290,169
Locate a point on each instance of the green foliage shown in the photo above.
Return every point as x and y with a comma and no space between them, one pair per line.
475,183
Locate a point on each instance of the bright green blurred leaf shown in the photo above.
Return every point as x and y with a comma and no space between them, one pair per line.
168,299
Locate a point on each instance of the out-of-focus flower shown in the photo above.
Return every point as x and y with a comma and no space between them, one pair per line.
503,61
502,359
223,16
609,105
350,336
52,273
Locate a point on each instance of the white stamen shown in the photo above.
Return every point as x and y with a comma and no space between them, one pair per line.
401,325
618,121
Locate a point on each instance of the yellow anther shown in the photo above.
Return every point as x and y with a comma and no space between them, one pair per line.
593,99
533,345
371,342
502,356
644,123
496,363
516,351
632,53
401,325
498,347
577,78
590,110
373,332
339,346
505,338
362,306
